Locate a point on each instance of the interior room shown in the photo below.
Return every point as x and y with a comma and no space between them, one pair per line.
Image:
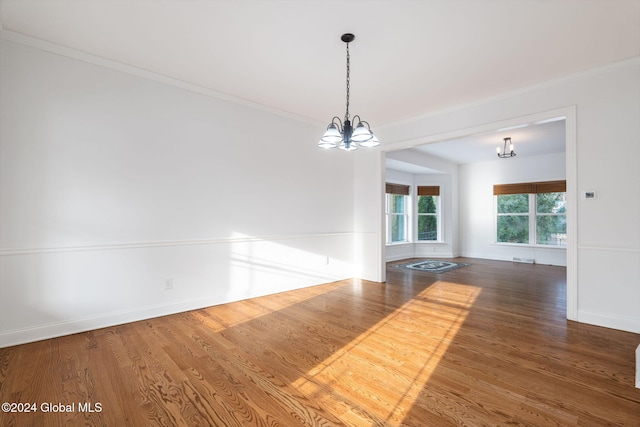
177,246
467,166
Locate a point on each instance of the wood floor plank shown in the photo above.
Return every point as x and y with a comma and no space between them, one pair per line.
487,344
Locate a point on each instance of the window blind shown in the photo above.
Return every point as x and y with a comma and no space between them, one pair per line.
531,188
424,190
397,189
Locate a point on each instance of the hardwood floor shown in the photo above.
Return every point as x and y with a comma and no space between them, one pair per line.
487,344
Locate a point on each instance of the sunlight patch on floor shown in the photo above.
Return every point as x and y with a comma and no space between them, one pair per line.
414,337
224,316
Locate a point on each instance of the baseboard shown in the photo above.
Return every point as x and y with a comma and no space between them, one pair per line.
408,251
638,367
608,321
74,326
508,258
53,330
431,256
399,257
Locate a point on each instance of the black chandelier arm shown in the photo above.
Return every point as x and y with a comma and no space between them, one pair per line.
337,122
357,120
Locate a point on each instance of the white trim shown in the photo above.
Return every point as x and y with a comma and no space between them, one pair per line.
608,249
58,329
150,75
571,172
145,74
403,243
382,225
74,326
613,322
158,244
528,246
638,367
487,127
603,69
569,113
431,242
509,258
441,255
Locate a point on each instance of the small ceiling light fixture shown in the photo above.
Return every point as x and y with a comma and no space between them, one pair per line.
344,135
504,154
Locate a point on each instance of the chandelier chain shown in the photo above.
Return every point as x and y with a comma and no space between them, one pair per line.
346,117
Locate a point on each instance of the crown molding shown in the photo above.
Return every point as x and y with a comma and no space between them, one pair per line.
160,78
142,73
603,69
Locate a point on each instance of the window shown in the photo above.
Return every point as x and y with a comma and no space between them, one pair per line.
531,213
513,218
428,213
551,219
397,212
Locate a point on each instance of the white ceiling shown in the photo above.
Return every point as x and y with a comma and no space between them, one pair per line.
409,57
529,139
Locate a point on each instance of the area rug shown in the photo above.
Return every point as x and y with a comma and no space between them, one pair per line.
432,266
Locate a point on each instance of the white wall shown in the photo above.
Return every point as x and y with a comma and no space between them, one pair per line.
368,213
477,217
607,108
113,186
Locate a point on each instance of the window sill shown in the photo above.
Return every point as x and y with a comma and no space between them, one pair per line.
399,243
419,242
431,242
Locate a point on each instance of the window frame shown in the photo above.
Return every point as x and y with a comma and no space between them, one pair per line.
497,215
531,189
549,214
433,191
404,191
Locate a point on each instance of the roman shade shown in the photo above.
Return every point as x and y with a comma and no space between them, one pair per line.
397,189
424,190
530,188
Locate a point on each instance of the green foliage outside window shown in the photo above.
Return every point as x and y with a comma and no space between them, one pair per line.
513,218
513,203
513,228
427,218
551,219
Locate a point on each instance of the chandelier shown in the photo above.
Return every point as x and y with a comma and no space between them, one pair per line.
346,135
504,154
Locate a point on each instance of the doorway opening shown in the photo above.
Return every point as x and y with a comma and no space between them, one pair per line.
463,161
